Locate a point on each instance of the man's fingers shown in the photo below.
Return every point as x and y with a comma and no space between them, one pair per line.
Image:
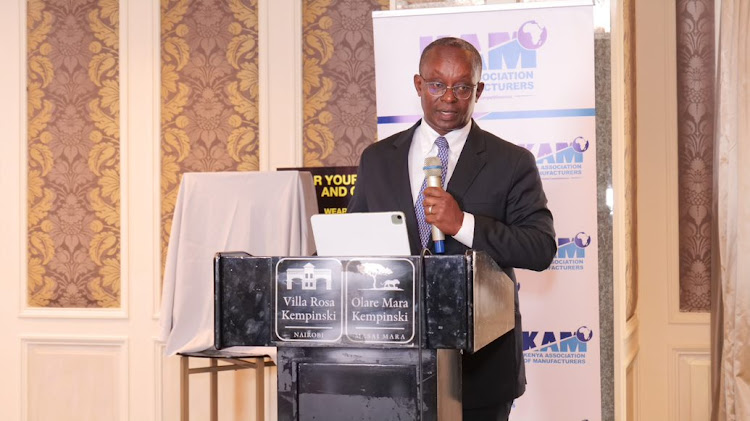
434,192
441,210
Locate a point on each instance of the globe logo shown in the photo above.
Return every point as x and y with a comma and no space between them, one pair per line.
582,239
584,334
580,144
532,35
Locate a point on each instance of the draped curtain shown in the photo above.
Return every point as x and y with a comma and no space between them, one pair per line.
730,323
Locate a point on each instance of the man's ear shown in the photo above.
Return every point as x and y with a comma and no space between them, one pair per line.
418,84
480,89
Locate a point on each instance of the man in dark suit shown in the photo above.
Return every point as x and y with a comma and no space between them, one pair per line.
494,202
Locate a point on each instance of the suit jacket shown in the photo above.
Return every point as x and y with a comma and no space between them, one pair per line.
499,184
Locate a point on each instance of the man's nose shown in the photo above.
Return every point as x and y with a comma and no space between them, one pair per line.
449,95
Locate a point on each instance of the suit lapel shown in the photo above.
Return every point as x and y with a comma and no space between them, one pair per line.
470,163
399,176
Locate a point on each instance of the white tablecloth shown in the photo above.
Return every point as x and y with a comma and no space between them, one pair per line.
261,213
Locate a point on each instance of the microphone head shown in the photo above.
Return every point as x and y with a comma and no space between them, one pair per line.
432,167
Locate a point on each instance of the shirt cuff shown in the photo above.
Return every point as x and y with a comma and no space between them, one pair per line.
465,235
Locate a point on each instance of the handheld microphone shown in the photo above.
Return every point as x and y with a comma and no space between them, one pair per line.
433,170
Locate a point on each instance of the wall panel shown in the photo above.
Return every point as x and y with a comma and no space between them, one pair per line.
69,378
73,172
691,375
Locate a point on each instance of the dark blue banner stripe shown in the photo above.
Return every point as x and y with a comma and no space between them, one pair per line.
390,119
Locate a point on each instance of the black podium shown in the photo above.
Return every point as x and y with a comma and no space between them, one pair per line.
365,338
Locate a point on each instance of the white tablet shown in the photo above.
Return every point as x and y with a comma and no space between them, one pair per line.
361,234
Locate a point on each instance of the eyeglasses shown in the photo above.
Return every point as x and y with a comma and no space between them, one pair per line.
459,91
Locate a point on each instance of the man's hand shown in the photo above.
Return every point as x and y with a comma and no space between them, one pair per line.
442,211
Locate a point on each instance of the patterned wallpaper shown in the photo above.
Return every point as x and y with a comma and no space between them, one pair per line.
73,153
340,118
209,92
695,118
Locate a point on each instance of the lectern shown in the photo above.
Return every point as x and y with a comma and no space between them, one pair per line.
364,338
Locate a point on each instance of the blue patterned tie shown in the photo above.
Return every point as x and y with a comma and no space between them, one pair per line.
424,227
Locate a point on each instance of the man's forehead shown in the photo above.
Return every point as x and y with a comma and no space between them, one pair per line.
435,58
442,50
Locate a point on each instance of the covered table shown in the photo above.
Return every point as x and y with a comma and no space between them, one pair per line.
261,213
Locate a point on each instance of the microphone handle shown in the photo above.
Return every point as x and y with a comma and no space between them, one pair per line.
434,181
437,236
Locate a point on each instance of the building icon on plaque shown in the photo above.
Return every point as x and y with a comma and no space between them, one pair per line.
308,277
309,299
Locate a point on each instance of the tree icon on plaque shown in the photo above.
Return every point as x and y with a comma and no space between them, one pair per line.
373,270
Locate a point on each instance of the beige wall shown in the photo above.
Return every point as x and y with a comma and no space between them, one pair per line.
673,362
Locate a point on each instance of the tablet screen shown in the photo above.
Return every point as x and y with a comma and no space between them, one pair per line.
361,234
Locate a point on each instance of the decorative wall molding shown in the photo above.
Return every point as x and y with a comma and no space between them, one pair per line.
156,156
280,69
626,396
121,62
159,348
23,273
71,313
625,331
690,383
57,347
631,341
631,401
55,312
126,198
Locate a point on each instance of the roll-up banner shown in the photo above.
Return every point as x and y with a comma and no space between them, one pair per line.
538,71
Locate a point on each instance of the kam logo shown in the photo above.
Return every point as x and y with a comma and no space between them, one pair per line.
509,58
571,253
558,348
559,159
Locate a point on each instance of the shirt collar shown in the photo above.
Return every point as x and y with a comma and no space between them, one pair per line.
456,138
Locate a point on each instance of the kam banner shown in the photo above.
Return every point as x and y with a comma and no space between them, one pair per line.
538,71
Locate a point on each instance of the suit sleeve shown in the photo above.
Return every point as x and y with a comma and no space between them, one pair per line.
527,238
358,202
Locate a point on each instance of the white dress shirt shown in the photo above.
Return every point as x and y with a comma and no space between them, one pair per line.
423,146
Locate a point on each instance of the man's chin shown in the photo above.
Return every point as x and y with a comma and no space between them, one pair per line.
444,125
